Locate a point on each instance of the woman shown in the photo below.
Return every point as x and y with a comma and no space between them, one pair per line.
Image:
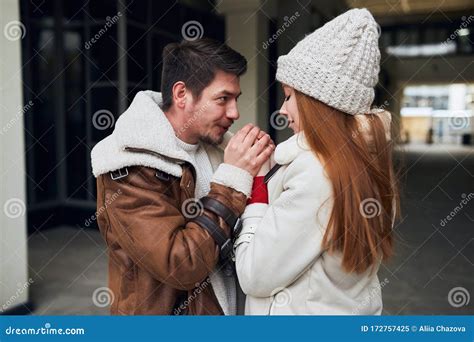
314,236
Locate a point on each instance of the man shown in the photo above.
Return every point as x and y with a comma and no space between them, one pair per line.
168,195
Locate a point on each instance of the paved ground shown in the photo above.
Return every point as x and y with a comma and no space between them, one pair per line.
68,264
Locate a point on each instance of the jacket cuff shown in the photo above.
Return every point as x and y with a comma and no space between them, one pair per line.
233,177
251,218
259,191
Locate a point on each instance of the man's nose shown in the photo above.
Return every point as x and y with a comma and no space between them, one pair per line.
233,112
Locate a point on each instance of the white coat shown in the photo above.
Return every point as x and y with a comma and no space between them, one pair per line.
280,263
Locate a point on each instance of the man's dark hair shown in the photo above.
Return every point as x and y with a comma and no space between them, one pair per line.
195,63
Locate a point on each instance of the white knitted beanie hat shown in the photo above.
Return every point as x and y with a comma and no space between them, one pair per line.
338,64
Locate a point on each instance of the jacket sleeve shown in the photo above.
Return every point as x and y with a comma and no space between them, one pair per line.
280,241
147,221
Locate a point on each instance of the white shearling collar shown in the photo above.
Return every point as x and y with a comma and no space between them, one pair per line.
143,126
288,150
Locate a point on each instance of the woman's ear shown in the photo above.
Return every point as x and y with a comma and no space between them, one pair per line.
179,94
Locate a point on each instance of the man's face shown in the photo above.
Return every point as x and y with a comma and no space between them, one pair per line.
216,110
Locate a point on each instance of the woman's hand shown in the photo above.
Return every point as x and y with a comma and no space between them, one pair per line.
266,166
264,169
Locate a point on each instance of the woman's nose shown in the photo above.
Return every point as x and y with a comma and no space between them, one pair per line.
283,111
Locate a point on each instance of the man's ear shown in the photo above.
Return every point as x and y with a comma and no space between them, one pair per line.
179,94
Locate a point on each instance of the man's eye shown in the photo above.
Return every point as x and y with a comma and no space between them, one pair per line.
287,98
222,99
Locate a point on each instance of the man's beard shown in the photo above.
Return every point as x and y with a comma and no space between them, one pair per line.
207,139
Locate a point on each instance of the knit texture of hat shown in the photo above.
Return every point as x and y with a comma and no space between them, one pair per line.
338,64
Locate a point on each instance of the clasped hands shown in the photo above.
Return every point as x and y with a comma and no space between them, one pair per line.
250,149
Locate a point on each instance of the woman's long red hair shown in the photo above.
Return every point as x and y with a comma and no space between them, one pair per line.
366,199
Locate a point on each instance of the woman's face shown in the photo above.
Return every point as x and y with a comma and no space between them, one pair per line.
289,109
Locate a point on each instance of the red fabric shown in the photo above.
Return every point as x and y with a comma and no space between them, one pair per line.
259,191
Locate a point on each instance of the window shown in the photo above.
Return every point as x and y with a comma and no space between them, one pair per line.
79,58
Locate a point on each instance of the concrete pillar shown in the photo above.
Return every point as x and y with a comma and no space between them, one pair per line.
246,31
14,282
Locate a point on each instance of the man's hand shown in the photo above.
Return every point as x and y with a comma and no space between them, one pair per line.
264,169
249,149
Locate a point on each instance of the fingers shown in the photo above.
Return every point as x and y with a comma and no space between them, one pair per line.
249,149
251,137
262,149
242,133
265,154
260,144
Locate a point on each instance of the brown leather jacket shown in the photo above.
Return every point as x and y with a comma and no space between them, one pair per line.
159,259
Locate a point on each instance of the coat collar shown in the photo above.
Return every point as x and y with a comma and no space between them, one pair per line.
288,150
144,126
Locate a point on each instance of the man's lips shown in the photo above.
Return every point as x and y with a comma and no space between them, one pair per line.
222,129
225,128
